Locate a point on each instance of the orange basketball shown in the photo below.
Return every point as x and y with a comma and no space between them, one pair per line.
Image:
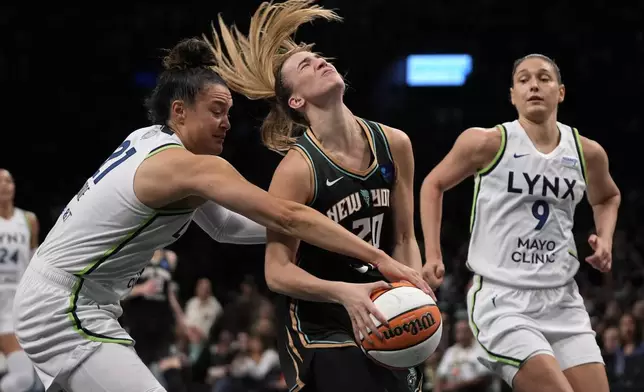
414,331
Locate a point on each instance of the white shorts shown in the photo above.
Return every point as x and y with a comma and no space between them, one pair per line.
61,320
512,325
6,310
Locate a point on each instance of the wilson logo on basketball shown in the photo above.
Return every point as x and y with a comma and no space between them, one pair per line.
412,327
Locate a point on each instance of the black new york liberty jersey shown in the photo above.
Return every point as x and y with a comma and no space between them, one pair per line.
359,201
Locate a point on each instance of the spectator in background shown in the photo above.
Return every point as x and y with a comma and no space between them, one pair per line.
638,311
202,311
152,314
255,369
239,314
460,370
629,357
610,346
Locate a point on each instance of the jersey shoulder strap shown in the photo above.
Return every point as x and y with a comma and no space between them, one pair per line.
380,141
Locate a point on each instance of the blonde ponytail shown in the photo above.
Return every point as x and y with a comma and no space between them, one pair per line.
250,65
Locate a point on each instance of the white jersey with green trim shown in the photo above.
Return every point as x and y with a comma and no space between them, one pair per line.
523,211
15,248
105,234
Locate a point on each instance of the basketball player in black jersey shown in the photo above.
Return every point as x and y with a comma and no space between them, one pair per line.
357,172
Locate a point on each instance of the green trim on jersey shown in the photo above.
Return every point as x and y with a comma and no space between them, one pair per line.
71,311
497,357
487,170
580,152
499,153
162,147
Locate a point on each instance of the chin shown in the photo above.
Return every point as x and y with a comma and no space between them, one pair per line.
537,114
218,149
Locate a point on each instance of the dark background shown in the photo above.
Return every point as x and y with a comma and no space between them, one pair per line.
74,79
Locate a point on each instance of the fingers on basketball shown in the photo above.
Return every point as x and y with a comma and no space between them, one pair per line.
378,292
356,329
407,329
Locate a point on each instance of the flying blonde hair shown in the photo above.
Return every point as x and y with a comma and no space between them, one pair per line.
250,65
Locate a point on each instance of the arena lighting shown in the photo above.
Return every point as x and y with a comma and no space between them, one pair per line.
430,70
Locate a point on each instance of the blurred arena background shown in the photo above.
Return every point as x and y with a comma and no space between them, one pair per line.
74,79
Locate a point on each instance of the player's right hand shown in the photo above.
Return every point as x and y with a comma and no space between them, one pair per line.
395,271
356,299
433,272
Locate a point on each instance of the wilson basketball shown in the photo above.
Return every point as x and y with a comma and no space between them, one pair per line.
415,327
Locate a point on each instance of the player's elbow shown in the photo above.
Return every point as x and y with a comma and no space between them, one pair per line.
431,187
274,275
272,279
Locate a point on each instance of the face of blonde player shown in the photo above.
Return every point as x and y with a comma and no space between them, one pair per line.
7,187
312,80
536,92
205,122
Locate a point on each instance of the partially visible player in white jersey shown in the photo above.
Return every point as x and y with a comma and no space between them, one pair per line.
142,198
18,239
525,308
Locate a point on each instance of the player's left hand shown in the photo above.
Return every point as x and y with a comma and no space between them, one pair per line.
602,259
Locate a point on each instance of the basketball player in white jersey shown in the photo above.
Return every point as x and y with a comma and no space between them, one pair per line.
525,308
18,239
142,198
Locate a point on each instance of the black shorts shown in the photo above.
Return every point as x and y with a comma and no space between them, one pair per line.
339,369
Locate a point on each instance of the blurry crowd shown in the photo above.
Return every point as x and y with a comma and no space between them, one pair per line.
227,344
205,344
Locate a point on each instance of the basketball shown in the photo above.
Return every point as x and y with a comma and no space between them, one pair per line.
415,327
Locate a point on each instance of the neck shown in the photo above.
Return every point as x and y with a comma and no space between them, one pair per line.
542,134
6,210
179,131
334,126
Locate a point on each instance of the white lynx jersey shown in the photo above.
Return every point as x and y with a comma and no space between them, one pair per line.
15,248
523,211
105,234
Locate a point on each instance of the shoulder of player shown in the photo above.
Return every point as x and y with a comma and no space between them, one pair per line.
398,140
180,161
32,219
294,176
296,165
481,143
594,153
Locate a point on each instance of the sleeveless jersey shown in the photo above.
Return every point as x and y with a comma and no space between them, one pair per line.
15,248
105,234
523,211
359,201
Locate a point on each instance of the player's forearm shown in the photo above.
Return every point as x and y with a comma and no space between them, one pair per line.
227,226
431,211
407,252
605,216
293,281
311,226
